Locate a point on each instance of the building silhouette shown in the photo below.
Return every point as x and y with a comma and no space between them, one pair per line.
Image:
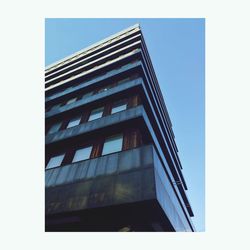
111,160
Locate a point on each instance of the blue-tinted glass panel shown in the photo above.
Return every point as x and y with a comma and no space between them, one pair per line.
123,81
55,161
82,154
96,113
74,122
71,100
119,106
56,106
54,128
104,89
112,144
87,95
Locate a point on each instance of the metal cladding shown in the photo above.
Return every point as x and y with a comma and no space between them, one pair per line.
138,188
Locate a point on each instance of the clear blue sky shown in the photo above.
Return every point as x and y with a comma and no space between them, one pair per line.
177,50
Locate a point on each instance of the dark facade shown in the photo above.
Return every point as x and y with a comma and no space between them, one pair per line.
111,159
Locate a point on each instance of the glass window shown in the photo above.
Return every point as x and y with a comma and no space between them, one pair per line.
112,144
134,76
96,113
119,106
123,80
69,88
71,100
55,161
87,95
104,89
82,154
74,122
54,128
56,106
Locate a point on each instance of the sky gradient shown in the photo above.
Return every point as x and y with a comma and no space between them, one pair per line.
177,51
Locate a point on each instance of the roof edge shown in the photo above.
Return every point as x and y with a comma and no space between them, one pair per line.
92,45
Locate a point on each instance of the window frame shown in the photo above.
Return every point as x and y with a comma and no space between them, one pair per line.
55,156
59,128
123,101
79,118
56,106
86,95
91,146
107,139
70,100
97,113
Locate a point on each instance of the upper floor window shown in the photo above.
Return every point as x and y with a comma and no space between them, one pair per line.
87,95
54,128
123,81
104,89
82,154
74,122
55,106
112,144
69,88
71,100
96,113
55,161
119,106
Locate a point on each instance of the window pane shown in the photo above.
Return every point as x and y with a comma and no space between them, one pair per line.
119,106
104,89
87,95
82,154
71,100
74,122
54,128
112,144
69,88
56,106
123,81
55,161
96,113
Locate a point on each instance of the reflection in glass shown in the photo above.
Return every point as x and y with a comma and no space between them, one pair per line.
123,81
87,95
56,106
74,122
119,106
55,161
104,89
96,113
112,144
71,100
54,128
82,154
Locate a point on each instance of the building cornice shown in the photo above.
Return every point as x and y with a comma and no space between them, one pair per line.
86,49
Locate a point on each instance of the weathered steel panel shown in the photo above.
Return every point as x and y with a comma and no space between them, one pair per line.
102,181
128,187
168,199
101,166
112,163
96,124
94,98
62,176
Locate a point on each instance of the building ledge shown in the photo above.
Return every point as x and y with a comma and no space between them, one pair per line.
96,80
124,177
94,125
94,98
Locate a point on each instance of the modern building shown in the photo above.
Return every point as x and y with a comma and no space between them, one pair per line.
111,159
